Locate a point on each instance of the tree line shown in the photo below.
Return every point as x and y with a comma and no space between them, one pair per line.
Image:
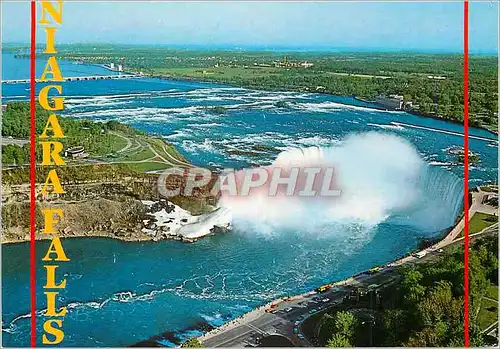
94,136
425,308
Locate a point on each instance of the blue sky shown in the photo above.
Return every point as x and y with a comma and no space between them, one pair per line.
404,26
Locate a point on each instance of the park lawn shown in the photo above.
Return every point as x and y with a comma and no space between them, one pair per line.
148,166
174,152
488,314
117,143
480,221
166,149
141,155
101,144
492,292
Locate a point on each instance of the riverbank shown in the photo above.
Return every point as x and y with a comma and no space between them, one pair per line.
493,132
370,103
451,237
124,219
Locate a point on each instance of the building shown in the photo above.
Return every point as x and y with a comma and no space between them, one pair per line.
111,66
286,63
392,102
75,152
490,199
120,67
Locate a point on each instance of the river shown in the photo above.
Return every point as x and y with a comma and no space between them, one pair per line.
121,293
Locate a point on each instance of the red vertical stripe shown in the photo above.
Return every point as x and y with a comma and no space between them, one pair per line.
466,172
32,176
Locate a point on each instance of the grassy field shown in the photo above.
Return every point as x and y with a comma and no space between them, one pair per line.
229,73
480,221
488,313
492,292
165,150
148,166
144,153
489,188
105,144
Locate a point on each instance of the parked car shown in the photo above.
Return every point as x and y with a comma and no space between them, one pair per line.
375,270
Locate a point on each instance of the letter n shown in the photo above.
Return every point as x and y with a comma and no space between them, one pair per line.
49,8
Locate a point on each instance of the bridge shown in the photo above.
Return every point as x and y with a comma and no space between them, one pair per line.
77,78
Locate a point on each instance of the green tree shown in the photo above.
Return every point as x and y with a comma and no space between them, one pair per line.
339,340
413,290
192,343
344,327
440,305
345,324
395,326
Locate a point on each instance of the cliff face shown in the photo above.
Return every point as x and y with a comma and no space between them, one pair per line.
111,207
95,217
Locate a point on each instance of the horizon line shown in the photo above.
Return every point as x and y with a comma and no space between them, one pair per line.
283,48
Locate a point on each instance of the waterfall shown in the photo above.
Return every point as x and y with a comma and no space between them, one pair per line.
382,177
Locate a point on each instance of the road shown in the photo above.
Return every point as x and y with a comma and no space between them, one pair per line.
289,314
15,141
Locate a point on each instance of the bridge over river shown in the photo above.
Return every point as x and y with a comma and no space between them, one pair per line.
79,78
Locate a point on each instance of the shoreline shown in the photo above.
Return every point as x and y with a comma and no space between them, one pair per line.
358,98
212,81
93,236
373,105
449,237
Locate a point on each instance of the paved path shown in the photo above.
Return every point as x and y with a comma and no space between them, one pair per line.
15,141
129,142
477,206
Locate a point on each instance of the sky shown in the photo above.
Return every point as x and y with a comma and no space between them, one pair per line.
379,26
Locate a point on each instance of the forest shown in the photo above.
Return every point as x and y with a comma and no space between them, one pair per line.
94,136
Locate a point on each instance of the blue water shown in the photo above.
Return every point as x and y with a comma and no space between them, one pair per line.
121,293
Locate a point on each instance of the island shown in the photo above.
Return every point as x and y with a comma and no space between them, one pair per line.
112,170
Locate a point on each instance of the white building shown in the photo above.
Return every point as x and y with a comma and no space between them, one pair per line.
391,102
